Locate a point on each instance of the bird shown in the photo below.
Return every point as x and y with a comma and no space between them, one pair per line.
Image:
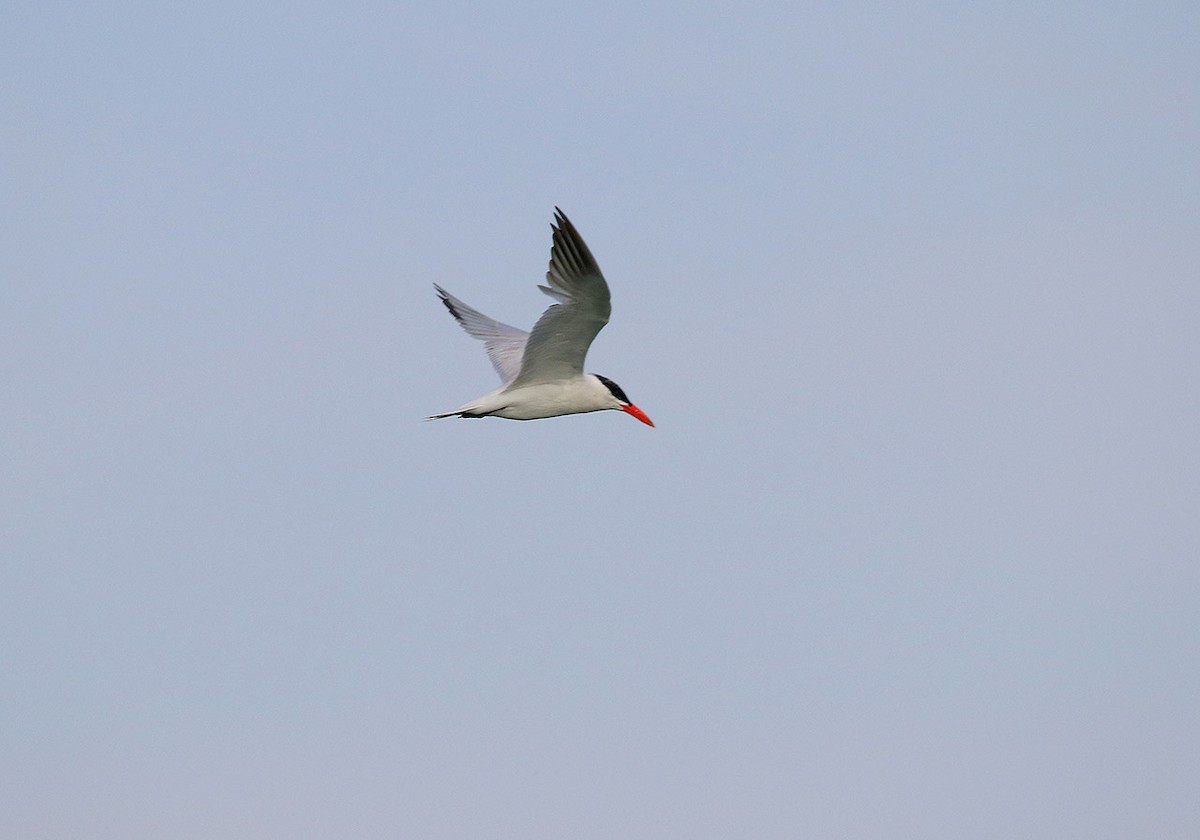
542,371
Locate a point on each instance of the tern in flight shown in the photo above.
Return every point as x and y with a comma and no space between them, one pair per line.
542,371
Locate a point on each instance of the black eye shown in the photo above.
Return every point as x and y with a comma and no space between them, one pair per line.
613,388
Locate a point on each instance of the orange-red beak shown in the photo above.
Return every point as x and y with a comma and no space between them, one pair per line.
633,410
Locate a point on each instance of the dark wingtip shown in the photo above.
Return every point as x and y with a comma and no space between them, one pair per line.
445,298
569,249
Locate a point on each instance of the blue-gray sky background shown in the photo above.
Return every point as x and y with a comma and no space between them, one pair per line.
912,293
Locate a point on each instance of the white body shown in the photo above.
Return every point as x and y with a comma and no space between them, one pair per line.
543,399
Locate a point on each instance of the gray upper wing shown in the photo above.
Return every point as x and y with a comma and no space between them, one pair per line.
560,339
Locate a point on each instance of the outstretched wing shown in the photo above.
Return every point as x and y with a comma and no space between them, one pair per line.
560,339
505,345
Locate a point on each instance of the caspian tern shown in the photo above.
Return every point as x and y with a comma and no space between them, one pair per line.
542,371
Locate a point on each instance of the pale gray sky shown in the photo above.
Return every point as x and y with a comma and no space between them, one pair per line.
912,294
